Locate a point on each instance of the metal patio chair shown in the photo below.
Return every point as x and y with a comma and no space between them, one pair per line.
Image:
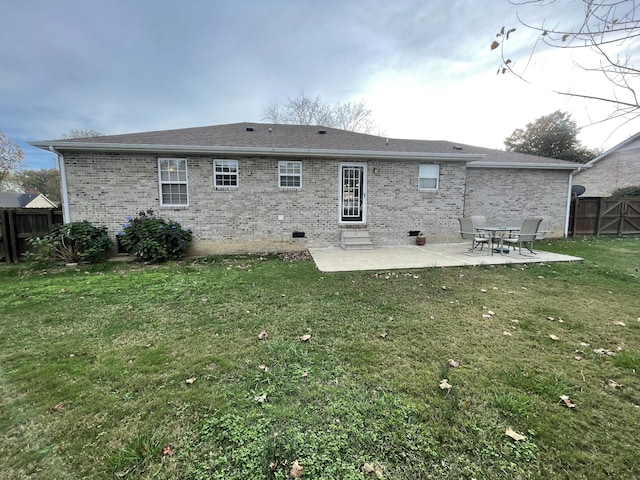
468,232
526,235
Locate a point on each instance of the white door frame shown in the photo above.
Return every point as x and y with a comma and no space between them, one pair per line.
352,211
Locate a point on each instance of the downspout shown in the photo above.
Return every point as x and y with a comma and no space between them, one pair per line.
568,208
66,217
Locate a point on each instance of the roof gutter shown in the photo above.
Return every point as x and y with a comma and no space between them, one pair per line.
536,166
66,216
260,151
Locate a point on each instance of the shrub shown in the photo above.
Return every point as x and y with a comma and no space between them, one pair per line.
70,243
633,191
154,239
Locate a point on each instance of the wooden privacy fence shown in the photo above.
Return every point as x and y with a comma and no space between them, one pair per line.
17,225
604,216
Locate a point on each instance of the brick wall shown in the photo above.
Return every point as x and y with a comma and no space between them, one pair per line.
106,188
619,170
507,196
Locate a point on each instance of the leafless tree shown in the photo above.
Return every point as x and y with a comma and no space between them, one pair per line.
11,157
81,133
608,28
304,110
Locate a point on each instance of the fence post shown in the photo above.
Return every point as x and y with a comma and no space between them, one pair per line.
4,233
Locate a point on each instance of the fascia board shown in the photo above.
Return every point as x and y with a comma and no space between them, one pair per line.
256,151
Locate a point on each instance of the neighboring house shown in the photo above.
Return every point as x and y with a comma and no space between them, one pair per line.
25,200
618,167
251,187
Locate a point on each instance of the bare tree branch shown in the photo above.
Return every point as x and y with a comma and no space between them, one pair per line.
304,110
607,28
11,157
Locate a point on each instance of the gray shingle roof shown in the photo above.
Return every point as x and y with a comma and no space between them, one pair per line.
301,138
16,200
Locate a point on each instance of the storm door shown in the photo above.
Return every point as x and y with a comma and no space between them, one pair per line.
353,190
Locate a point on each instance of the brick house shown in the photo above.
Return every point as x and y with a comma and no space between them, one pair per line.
618,167
251,187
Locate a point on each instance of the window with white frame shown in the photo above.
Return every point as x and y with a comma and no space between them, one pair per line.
429,177
172,179
225,174
290,174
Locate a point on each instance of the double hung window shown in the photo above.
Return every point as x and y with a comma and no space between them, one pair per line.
172,179
290,174
225,174
429,178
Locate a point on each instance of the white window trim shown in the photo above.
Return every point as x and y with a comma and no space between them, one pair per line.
173,182
237,174
280,175
431,167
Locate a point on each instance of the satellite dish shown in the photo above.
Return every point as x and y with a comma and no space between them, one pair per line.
577,190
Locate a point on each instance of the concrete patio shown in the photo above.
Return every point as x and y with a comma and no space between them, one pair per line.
337,259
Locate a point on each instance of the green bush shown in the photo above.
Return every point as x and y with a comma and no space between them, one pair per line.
70,243
154,239
633,191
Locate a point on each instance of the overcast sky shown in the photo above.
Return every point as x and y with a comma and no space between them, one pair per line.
424,67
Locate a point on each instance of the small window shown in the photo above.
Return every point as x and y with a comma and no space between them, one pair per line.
290,174
225,173
429,177
172,178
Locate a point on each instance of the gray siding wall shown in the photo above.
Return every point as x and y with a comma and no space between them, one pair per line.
507,196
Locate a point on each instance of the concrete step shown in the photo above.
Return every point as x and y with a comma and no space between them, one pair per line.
356,239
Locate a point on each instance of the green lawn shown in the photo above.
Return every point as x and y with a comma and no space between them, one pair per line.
130,371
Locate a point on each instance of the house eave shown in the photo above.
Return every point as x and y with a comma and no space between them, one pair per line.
522,165
257,151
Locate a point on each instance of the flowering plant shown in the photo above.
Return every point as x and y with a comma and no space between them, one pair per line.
154,239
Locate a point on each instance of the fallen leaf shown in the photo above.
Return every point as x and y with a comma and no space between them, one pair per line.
305,338
372,470
190,381
566,401
514,435
296,470
553,337
57,407
263,336
167,450
452,363
444,384
261,398
604,351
